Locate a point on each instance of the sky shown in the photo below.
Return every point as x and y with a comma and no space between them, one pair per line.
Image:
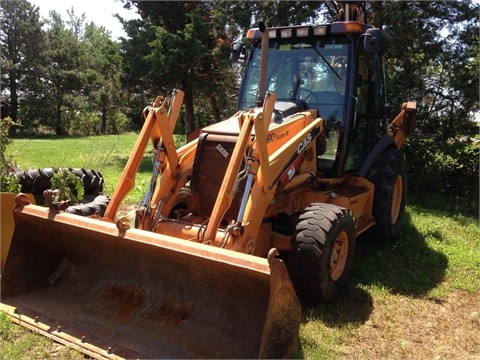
99,11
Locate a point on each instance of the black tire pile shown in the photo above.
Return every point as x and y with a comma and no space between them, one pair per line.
36,181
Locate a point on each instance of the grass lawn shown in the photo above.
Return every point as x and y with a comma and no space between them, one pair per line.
107,154
417,298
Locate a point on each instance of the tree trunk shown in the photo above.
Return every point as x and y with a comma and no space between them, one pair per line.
58,124
103,122
13,102
377,14
217,114
189,115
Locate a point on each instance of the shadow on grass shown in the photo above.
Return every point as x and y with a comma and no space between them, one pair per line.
353,306
408,267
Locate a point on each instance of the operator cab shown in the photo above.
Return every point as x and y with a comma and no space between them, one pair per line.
323,67
303,73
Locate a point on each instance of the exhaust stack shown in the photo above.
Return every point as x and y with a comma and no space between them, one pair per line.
262,86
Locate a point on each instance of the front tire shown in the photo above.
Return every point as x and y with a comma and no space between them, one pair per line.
324,246
182,205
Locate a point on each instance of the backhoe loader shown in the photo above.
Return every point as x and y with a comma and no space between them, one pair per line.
236,225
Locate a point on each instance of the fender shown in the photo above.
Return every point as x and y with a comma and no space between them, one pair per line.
383,143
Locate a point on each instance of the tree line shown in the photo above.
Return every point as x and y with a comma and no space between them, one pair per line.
67,76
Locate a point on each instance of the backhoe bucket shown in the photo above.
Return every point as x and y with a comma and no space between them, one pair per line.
115,293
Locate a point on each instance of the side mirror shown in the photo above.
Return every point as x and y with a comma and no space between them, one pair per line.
375,41
236,51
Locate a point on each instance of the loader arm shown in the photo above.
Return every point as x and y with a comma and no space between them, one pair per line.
113,292
157,128
262,124
286,160
225,195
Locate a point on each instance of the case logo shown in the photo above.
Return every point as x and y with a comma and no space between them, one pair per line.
222,150
302,145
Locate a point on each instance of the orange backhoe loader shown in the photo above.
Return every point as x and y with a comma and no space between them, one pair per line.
261,207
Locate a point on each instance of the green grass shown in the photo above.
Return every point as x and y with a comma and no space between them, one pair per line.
18,343
417,263
107,154
437,255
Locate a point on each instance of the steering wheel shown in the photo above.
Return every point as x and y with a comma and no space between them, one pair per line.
310,94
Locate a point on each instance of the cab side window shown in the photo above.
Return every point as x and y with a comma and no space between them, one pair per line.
370,92
370,86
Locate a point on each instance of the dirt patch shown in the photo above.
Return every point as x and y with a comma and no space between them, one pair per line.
401,327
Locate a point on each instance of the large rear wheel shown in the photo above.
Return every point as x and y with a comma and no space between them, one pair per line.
324,247
97,206
36,181
389,175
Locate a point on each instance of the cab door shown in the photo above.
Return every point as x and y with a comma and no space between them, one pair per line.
370,112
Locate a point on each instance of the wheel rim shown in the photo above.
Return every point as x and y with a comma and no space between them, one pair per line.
339,255
396,199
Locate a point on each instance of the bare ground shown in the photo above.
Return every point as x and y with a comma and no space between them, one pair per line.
401,327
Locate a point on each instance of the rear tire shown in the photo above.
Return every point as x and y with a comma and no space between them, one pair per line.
93,182
324,246
36,181
389,175
97,206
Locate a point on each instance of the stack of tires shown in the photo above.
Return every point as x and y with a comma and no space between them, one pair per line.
36,181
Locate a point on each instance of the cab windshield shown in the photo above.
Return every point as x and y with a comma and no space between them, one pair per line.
312,71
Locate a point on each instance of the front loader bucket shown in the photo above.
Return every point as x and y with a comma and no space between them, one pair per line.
114,293
7,203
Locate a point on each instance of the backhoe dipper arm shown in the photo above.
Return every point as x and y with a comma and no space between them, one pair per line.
404,123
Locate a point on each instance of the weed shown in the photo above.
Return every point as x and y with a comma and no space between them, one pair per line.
69,185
